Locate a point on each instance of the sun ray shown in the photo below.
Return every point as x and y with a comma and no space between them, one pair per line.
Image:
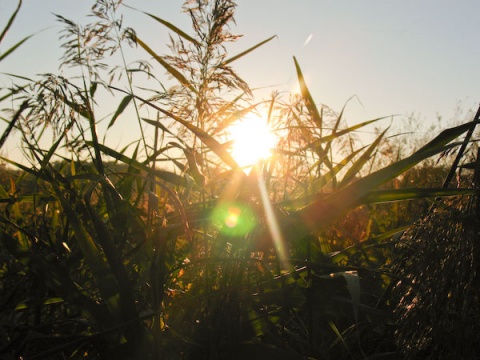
273,226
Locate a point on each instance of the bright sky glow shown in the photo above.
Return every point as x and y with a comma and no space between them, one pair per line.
252,140
396,57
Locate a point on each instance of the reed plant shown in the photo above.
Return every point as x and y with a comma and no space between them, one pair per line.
132,253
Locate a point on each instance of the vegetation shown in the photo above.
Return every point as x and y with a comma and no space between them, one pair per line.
169,249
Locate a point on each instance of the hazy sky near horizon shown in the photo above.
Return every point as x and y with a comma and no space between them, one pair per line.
394,57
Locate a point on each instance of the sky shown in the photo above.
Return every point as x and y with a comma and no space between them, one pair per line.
410,57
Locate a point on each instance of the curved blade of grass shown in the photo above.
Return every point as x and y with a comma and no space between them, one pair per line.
12,122
243,53
174,72
325,210
126,304
358,165
353,286
123,105
325,178
466,141
313,112
10,21
175,29
84,240
193,168
343,255
208,140
333,136
26,198
167,24
14,47
310,104
25,169
159,125
165,175
383,196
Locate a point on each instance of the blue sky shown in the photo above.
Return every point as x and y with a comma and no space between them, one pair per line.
395,57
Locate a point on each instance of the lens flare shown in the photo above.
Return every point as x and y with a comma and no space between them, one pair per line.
234,219
273,225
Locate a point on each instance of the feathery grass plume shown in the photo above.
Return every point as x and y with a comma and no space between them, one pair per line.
438,294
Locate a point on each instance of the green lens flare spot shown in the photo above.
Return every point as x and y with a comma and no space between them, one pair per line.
234,219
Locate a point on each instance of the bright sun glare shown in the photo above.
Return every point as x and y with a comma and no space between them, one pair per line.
253,140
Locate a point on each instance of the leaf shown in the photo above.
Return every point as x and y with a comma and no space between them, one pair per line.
310,104
327,177
174,72
343,255
14,47
358,165
11,20
353,286
175,29
333,136
123,105
162,174
243,53
12,122
383,196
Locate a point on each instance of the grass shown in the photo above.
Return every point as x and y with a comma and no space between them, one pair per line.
131,253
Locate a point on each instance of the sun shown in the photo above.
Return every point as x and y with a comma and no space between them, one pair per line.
253,140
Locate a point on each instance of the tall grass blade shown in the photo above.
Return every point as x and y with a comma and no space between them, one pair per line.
384,196
13,122
243,53
453,169
121,107
171,70
354,170
162,174
330,175
333,136
10,21
175,29
307,96
14,47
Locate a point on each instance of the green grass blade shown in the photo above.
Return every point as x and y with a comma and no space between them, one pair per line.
345,254
354,170
327,177
159,125
333,136
171,70
12,123
85,242
384,196
353,286
10,21
123,105
307,96
14,47
175,29
162,174
243,53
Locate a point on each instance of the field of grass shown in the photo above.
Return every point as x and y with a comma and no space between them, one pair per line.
169,248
